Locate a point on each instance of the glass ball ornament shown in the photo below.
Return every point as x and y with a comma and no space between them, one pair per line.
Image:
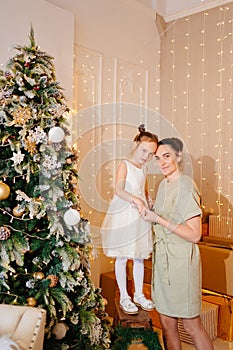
59,330
31,301
71,217
4,191
17,211
39,275
56,134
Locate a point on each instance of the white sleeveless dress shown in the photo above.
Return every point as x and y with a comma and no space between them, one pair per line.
124,233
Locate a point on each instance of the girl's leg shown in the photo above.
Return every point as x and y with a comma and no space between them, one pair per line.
171,337
138,276
201,339
120,272
126,303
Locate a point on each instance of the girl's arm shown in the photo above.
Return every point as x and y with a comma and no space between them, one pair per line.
148,198
190,230
120,188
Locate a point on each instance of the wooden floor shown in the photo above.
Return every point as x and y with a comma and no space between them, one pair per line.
219,344
110,292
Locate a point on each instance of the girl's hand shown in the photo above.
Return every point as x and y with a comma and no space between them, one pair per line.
149,202
140,205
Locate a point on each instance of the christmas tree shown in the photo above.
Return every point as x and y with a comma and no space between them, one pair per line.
45,243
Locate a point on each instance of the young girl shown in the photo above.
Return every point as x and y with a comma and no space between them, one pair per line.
125,235
176,282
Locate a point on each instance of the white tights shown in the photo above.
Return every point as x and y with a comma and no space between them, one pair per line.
138,276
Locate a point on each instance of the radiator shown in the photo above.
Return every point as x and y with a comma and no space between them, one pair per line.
209,318
221,226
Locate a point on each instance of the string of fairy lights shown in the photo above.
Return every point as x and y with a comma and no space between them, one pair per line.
186,91
172,80
222,148
229,115
220,100
202,112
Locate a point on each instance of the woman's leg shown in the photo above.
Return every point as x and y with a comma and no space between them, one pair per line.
171,337
120,272
194,327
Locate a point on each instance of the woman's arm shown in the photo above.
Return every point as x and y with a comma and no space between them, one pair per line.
120,188
190,230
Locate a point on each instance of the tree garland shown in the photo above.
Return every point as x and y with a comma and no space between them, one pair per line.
123,337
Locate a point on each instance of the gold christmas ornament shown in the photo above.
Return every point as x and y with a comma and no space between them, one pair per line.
17,211
31,301
59,330
4,191
38,275
53,280
68,161
105,302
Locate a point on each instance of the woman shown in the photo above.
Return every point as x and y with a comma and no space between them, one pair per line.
176,284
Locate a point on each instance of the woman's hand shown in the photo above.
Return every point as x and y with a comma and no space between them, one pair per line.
189,230
149,216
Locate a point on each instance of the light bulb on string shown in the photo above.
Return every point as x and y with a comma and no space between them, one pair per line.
172,80
229,109
186,92
220,99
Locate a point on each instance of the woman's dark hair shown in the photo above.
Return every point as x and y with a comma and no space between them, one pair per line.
145,135
174,142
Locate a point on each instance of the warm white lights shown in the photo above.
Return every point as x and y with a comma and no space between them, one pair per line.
188,64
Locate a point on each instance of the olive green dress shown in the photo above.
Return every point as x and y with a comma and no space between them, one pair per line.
176,281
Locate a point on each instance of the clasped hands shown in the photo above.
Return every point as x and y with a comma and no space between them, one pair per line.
144,211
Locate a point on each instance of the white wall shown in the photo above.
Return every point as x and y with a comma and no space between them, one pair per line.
54,33
196,98
117,82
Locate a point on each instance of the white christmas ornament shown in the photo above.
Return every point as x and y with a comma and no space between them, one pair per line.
56,134
72,217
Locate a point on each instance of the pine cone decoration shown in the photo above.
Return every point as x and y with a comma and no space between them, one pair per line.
4,233
53,280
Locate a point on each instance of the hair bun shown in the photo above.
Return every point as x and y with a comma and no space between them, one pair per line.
142,128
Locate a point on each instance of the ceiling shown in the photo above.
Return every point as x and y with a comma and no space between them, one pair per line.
174,9
168,9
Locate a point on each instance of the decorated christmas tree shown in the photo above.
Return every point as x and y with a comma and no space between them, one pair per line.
45,243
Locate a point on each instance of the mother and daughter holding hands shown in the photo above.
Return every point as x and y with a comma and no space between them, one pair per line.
176,215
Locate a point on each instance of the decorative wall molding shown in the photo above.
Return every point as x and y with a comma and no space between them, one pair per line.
171,12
